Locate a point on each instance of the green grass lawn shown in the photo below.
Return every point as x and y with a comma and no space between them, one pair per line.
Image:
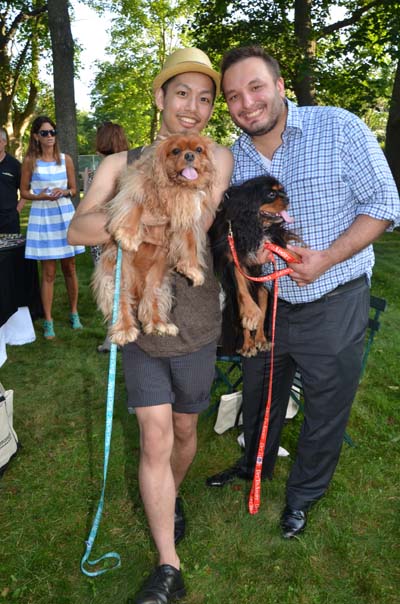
49,494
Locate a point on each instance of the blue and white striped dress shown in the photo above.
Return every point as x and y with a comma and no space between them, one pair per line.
46,237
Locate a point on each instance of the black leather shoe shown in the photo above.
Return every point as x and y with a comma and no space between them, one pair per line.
164,585
293,522
180,523
229,475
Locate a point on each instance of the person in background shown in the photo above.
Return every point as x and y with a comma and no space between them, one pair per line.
342,198
48,179
110,138
10,177
168,378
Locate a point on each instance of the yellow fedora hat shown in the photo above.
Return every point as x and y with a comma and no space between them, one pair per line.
184,60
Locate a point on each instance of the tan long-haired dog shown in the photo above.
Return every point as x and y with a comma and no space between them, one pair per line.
157,217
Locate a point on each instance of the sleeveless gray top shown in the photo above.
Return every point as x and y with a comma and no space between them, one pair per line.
196,311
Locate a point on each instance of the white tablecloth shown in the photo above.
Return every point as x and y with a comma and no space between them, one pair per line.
16,331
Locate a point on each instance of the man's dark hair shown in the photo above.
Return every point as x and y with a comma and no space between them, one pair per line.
246,52
164,87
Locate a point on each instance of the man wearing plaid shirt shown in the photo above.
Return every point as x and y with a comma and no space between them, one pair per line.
342,198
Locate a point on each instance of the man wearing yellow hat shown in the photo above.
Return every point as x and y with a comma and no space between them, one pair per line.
168,379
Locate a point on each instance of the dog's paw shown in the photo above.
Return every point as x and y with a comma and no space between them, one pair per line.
262,344
161,329
248,352
122,337
195,275
127,241
251,318
167,329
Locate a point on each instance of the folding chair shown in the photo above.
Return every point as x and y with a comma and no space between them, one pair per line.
227,367
228,373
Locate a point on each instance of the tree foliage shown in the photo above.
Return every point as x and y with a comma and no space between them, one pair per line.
23,40
143,34
86,124
346,61
333,52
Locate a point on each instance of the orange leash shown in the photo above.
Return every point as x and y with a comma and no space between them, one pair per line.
255,492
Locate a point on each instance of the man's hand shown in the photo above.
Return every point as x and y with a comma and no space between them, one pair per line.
263,255
362,232
313,264
20,205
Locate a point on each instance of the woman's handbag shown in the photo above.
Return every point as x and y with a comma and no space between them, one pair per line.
8,438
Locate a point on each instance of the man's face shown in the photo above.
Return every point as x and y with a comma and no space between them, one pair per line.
255,100
187,103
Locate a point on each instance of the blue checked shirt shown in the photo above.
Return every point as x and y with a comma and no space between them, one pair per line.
333,169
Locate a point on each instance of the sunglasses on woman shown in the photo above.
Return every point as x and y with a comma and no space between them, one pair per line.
45,133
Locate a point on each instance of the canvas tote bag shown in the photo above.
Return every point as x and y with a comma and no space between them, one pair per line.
8,438
229,412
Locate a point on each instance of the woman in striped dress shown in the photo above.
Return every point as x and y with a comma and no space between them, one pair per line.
48,179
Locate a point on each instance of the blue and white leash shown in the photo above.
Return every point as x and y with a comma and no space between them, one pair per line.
107,440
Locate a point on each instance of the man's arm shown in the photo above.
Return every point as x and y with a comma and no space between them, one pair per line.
224,168
88,224
364,231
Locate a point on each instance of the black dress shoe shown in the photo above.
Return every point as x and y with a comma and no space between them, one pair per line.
180,523
293,522
164,585
229,475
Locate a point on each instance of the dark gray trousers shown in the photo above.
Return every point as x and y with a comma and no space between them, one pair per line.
325,341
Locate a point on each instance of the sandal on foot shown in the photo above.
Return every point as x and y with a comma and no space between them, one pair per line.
75,321
48,327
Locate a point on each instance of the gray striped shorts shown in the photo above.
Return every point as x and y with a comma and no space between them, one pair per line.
182,381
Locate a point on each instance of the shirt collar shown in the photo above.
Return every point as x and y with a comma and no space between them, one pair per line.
294,120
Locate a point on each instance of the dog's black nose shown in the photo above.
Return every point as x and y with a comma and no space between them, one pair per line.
189,156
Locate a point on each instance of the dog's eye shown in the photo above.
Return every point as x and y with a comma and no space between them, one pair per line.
175,151
199,149
272,195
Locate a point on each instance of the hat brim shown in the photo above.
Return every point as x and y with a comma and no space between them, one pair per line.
185,67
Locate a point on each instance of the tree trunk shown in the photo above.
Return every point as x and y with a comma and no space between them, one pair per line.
63,76
304,83
392,146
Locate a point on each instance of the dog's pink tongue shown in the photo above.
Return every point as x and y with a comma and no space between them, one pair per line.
189,173
286,216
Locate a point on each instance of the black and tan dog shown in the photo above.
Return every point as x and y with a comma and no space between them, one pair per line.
256,213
